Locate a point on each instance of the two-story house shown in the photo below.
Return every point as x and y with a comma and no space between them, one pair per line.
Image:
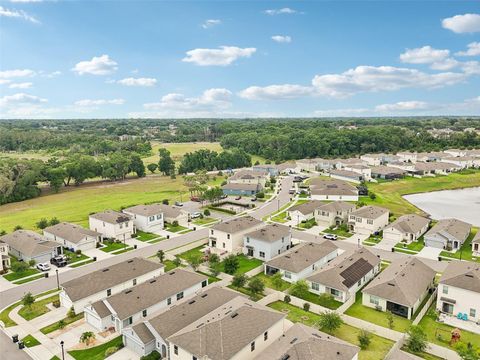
333,214
72,236
4,258
148,218
112,224
368,219
227,236
267,242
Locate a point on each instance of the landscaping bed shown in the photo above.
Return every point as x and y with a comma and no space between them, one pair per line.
96,352
55,326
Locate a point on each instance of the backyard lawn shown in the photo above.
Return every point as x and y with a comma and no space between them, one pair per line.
145,236
246,264
267,280
96,352
376,317
325,301
465,252
192,252
169,265
247,292
377,350
30,341
37,309
55,326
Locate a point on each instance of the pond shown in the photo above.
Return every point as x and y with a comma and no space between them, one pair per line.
462,204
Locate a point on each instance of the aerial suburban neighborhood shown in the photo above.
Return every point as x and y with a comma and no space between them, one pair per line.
263,180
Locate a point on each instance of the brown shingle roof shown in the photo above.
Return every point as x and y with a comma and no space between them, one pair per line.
409,224
270,233
70,232
145,210
237,224
241,186
453,227
335,206
144,333
111,217
29,243
462,274
369,212
332,187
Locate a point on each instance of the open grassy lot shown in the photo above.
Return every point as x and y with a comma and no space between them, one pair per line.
55,326
376,317
37,309
465,252
389,194
178,150
74,204
377,350
96,352
26,155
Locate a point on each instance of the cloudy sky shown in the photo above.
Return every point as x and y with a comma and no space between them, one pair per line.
95,59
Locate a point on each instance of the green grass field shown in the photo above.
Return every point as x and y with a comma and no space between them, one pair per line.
178,150
389,194
74,204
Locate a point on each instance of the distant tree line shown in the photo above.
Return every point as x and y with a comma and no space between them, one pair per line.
211,160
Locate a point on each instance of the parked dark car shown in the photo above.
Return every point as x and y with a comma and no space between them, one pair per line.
58,261
362,190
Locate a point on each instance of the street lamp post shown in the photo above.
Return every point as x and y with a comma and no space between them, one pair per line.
58,280
278,204
63,353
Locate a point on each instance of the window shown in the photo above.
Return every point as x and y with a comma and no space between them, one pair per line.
252,346
134,282
473,313
265,336
144,313
223,245
204,283
151,218
175,349
445,289
169,301
211,232
248,239
262,254
283,239
315,286
194,358
180,295
287,274
370,222
335,292
373,300
109,292
159,216
228,236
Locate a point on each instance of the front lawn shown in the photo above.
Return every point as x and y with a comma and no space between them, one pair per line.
174,229
440,333
465,252
414,245
19,275
204,221
267,280
78,264
113,246
96,352
308,224
30,341
37,309
281,218
145,236
25,280
73,257
376,317
187,255
378,349
339,231
55,326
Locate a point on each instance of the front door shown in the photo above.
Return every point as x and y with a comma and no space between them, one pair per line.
249,251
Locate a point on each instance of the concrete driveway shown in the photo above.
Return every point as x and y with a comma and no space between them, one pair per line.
429,253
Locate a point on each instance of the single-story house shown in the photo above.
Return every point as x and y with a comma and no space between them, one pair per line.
406,228
28,245
407,156
433,168
73,236
271,169
307,164
400,288
136,303
448,234
462,162
305,211
334,213
387,172
363,170
147,218
267,242
333,190
247,176
459,291
347,175
301,260
343,163
112,224
430,156
455,152
227,236
476,245
106,282
301,342
241,189
172,213
4,258
343,276
368,219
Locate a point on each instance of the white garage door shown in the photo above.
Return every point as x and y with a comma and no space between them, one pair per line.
93,320
86,246
133,345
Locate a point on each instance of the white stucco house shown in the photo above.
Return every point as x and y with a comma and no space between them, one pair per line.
112,224
72,236
148,218
406,228
334,213
267,242
227,236
368,219
448,234
4,258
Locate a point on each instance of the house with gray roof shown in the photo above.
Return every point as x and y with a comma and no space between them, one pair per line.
387,172
304,211
137,302
72,236
448,234
347,175
301,342
4,258
247,176
112,224
368,219
241,189
334,213
28,245
106,282
406,228
332,190
301,260
400,288
267,242
342,277
227,236
459,291
476,245
148,218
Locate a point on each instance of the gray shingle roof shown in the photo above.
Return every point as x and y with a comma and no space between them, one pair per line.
409,224
71,232
144,333
108,277
454,227
308,207
462,274
476,239
29,243
145,210
403,282
270,233
369,212
346,173
111,217
237,224
387,170
302,256
332,187
335,206
241,186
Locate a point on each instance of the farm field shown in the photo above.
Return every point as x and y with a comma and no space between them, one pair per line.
74,204
177,150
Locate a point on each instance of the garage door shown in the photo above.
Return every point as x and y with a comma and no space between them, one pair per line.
433,243
133,345
93,320
86,246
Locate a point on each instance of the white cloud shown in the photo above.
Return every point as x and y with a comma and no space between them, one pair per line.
284,10
50,75
211,23
473,50
282,38
210,99
26,1
471,67
275,92
8,74
467,23
145,82
20,98
424,55
23,85
101,65
402,106
446,64
98,102
224,56
5,81
19,14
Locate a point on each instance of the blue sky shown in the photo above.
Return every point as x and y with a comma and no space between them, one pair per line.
84,59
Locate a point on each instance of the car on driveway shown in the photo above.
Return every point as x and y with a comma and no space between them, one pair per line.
43,266
58,261
195,215
330,237
178,204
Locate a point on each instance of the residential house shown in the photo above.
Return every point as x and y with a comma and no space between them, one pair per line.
347,175
463,162
112,224
433,168
368,219
307,165
476,245
343,163
267,242
333,190
241,189
148,218
459,290
4,258
301,260
106,282
387,172
172,213
154,331
364,170
429,156
379,159
400,288
28,245
301,342
407,156
456,152
333,214
227,236
72,236
406,228
136,303
343,276
249,177
305,211
448,234
271,169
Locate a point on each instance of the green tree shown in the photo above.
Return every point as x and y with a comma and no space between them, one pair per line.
206,212
177,261
231,264
390,320
256,286
55,177
468,351
165,165
152,167
277,280
136,166
299,289
54,221
161,255
28,299
239,280
287,299
364,339
195,260
306,306
61,324
87,337
42,223
71,313
417,339
330,321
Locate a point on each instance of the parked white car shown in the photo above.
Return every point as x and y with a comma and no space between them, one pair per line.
195,215
43,266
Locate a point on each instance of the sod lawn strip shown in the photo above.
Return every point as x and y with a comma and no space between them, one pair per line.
37,309
30,341
96,352
55,326
32,278
20,275
145,236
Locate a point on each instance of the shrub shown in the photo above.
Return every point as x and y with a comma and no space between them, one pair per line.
17,227
239,280
230,264
372,196
28,299
61,324
154,355
417,339
71,313
330,321
206,212
175,223
56,303
110,351
42,223
165,201
260,195
299,289
306,306
134,235
287,299
3,232
19,266
78,252
54,221
31,263
364,339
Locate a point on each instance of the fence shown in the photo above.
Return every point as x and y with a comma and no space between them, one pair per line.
424,310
